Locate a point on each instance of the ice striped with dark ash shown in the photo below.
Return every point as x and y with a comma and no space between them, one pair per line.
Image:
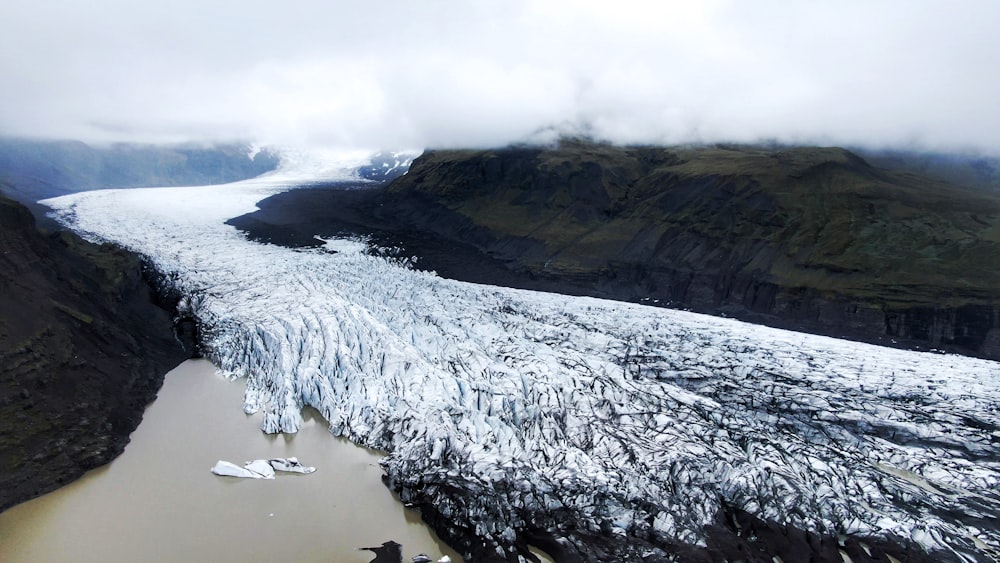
617,429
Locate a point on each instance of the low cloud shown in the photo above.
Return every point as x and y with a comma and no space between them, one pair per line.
449,73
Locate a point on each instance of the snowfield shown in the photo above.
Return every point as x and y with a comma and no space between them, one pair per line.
511,410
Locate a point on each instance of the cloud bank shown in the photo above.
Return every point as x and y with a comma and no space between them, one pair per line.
436,73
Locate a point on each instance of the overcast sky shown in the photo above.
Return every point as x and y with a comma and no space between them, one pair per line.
432,73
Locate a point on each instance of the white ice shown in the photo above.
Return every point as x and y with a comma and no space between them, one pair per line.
256,469
261,468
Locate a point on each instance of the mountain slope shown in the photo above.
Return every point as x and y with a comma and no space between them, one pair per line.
83,350
809,238
36,170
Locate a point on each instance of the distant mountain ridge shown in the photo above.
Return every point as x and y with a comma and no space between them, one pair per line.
34,170
811,236
967,170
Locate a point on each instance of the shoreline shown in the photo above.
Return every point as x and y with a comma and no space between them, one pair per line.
84,342
162,481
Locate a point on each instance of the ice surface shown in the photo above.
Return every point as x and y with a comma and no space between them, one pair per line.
257,469
343,245
290,465
511,410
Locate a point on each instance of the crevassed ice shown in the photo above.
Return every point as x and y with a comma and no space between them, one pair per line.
637,418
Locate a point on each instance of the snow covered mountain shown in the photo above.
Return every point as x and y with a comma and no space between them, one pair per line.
605,429
387,166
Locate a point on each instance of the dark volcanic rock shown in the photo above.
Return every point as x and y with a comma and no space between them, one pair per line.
83,350
811,239
808,238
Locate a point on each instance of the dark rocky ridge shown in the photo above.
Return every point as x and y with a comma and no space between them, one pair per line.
812,239
84,345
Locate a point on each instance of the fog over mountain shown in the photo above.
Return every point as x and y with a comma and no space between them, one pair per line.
448,73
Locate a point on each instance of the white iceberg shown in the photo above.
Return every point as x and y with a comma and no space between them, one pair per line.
261,468
256,469
290,465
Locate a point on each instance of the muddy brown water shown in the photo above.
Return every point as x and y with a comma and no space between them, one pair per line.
159,501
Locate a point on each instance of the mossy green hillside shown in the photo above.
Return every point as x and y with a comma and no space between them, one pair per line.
813,217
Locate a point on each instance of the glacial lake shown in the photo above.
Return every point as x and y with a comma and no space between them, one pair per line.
159,501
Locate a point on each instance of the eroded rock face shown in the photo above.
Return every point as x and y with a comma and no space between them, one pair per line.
83,350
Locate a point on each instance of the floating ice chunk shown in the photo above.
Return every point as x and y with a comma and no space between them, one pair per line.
252,470
289,464
228,469
261,468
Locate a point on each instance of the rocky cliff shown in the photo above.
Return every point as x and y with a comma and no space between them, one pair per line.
83,350
810,238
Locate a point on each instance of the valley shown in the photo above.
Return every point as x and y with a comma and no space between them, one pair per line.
591,428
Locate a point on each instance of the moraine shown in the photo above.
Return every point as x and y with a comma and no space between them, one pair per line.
613,429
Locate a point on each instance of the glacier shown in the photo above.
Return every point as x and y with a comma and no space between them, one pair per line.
622,428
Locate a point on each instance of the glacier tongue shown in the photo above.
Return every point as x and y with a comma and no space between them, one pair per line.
508,412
